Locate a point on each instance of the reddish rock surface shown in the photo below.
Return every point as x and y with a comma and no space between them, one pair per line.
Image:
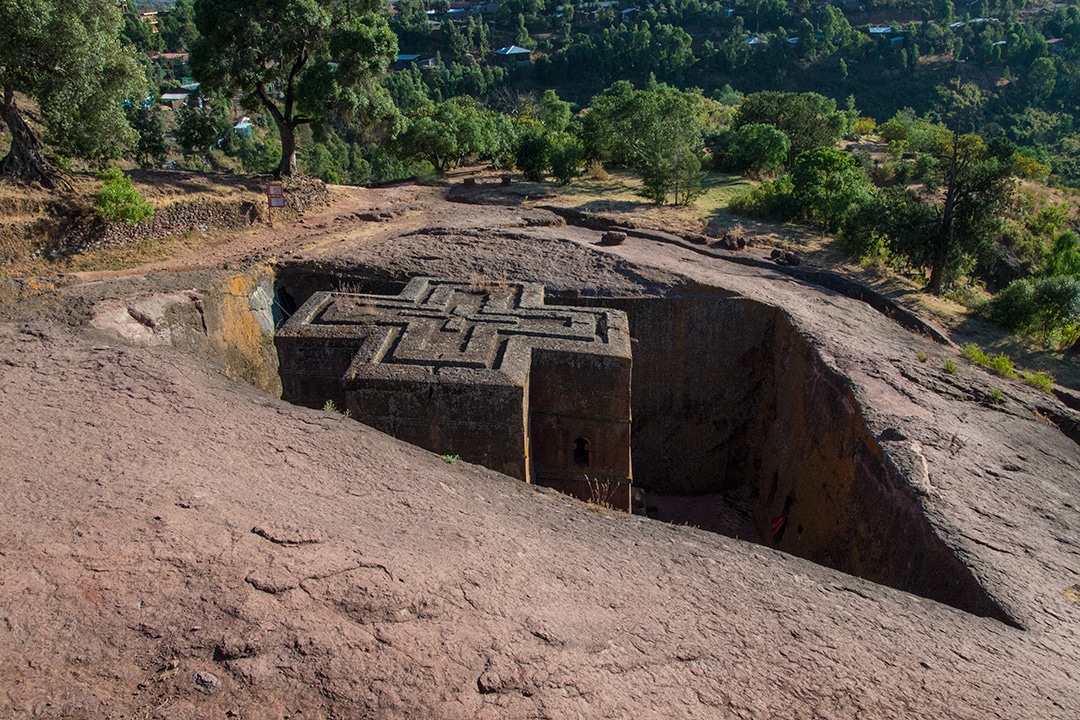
176,544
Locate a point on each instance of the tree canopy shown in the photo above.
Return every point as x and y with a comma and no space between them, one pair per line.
809,120
66,56
298,59
657,132
759,148
827,184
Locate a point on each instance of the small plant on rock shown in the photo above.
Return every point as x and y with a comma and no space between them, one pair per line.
1041,380
332,407
950,367
974,353
1002,365
450,459
997,396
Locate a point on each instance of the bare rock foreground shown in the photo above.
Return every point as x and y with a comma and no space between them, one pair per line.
176,544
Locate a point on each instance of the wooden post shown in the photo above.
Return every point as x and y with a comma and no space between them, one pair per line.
275,195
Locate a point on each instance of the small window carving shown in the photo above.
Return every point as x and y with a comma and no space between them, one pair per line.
582,452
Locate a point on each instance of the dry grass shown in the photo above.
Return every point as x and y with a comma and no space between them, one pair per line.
118,258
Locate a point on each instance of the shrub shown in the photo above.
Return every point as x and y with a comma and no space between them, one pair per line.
1002,365
1048,307
1014,307
864,126
861,234
595,171
997,396
1057,304
533,153
883,174
759,148
950,367
1064,256
1041,380
972,352
926,171
772,200
119,201
566,153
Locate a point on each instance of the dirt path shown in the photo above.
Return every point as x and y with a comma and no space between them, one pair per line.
353,212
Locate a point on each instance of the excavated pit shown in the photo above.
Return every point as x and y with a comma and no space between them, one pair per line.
740,428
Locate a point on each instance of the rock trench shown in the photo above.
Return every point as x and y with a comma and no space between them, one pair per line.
740,428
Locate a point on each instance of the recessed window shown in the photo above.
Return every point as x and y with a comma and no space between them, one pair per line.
581,452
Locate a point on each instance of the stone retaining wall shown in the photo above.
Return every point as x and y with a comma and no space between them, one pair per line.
82,233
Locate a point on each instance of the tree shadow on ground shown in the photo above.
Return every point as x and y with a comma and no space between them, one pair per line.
187,181
1027,354
614,206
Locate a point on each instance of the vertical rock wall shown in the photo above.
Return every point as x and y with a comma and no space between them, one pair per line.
728,397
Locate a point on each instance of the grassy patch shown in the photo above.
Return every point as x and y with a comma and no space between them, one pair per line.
618,192
1041,380
115,258
999,364
972,352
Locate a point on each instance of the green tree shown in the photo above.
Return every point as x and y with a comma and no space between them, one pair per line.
567,154
657,132
828,185
1041,79
196,130
65,55
533,151
554,112
978,184
319,162
521,34
759,148
177,26
809,120
896,218
455,42
445,133
411,23
296,58
948,237
1064,256
145,119
1047,307
138,33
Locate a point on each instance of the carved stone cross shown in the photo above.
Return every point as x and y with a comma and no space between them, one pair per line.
488,372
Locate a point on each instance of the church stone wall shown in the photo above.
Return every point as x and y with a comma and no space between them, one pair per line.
487,373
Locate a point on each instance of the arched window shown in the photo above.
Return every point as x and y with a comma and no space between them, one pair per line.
581,452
